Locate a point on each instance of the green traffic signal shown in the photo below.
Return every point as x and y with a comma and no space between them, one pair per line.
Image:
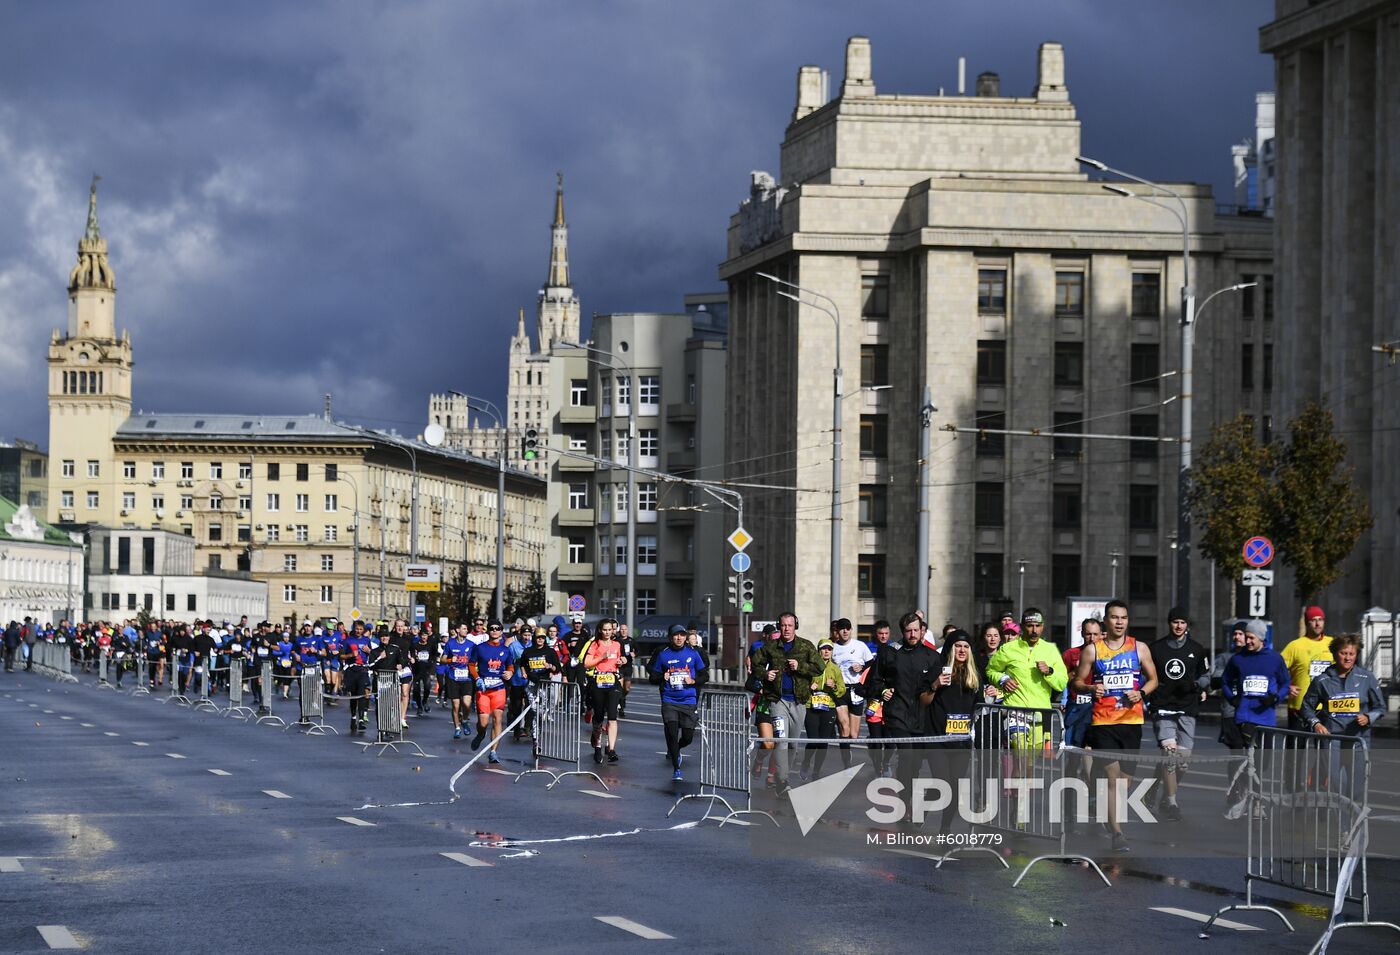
748,606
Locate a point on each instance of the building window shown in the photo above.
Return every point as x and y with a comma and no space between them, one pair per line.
1246,367
65,499
646,554
646,498
1142,507
216,533
274,472
330,533
623,446
94,469
624,394
1064,507
130,601
1145,365
990,504
303,472
620,554
332,472
216,471
989,444
186,502
874,296
620,502
186,470
1069,293
191,603
245,533
332,504
1142,578
991,291
68,470
649,393
1268,367
245,502
1247,297
578,496
991,362
604,552
92,500
578,392
874,499
690,389
274,502
289,563
646,603
157,470
216,502
1064,576
328,563
289,593
987,581
1073,423
578,441
874,365
303,534
1147,295
1266,429
870,575
303,503
1268,298
169,601
245,470
578,550
1069,364
128,469
128,500
216,561
327,594
274,533
874,436
648,443
1142,426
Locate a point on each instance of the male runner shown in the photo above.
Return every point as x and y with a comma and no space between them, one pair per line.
1184,671
1306,657
852,657
457,657
680,672
492,666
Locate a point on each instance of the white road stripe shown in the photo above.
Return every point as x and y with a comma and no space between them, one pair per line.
58,936
276,794
1199,917
137,742
65,717
220,772
174,755
627,925
110,733
88,725
48,711
354,821
498,772
600,795
465,859
10,864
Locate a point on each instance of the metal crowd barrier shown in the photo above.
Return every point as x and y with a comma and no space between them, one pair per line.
725,751
557,732
176,694
312,717
388,717
53,660
235,707
142,687
265,687
203,674
1308,819
103,655
1012,743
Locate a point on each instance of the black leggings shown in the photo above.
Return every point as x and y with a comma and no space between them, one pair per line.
422,689
820,724
677,739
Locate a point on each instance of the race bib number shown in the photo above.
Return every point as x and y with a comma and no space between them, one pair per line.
405,671
491,682
959,724
199,669
423,656
676,679
236,647
1316,667
1118,681
120,654
605,679
1083,699
262,651
1351,703
822,701
1016,725
461,673
539,663
1255,685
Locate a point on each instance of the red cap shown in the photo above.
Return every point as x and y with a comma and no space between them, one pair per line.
1313,612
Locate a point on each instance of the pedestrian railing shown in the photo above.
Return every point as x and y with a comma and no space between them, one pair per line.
312,718
557,738
725,751
388,718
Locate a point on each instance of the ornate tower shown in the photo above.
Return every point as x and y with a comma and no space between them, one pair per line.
89,386
559,310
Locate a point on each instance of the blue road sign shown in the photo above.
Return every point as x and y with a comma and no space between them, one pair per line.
740,562
577,603
420,613
1258,551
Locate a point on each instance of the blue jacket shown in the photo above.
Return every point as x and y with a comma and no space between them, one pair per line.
1255,683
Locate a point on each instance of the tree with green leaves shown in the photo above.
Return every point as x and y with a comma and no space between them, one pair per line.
1231,492
1318,513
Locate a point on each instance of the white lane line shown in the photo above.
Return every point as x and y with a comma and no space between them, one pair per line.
10,864
58,936
87,725
65,717
355,822
110,733
600,795
1198,917
465,859
48,711
137,742
498,772
627,925
174,755
220,772
276,794
33,706
732,822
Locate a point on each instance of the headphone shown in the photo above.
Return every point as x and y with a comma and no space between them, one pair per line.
796,625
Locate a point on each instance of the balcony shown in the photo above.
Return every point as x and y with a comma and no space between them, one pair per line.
679,411
578,414
576,517
576,571
680,460
680,568
679,518
573,464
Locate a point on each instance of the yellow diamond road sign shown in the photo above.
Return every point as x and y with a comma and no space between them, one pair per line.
740,539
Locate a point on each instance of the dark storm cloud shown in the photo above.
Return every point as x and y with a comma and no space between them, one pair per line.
355,197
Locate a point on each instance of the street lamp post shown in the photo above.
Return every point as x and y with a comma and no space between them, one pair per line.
834,313
383,516
491,409
355,533
1021,589
1113,566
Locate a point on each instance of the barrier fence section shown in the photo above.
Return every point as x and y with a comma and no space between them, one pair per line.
204,678
557,732
267,692
142,687
725,752
388,717
312,718
53,660
1307,806
1014,743
104,655
235,707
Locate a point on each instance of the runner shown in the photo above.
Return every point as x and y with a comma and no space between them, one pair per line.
492,665
282,667
955,695
1028,670
1183,668
541,665
425,655
625,639
785,666
517,692
1079,706
1255,680
1344,700
309,652
389,655
354,659
820,721
154,643
1118,671
1306,657
604,660
852,656
679,670
330,663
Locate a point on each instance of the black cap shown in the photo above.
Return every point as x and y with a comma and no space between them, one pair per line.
1177,613
769,628
676,628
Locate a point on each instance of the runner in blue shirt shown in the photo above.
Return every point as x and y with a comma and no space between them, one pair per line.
680,672
456,661
492,666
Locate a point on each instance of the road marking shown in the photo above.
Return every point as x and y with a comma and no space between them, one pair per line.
65,717
913,852
88,725
110,733
33,706
174,755
730,821
355,822
498,772
1198,917
627,925
58,936
465,859
10,864
220,772
276,794
602,795
48,711
137,742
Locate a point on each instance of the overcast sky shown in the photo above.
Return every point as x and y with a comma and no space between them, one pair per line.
355,197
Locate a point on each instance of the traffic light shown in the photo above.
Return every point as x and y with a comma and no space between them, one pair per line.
746,589
734,589
530,444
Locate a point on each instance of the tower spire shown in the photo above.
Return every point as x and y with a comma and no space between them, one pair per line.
93,233
559,247
93,271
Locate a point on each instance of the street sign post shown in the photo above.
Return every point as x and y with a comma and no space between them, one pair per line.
1258,551
420,613
1258,602
577,603
1257,578
739,539
422,577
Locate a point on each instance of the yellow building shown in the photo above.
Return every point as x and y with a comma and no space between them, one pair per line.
280,497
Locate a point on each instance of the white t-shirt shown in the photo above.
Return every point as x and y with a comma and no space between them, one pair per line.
848,655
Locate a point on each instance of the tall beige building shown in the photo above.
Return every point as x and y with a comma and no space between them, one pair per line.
1337,235
965,251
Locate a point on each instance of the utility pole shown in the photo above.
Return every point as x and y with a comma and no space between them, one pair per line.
921,566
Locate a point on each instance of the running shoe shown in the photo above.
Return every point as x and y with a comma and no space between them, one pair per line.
597,754
492,758
457,733
677,777
476,740
1120,844
612,755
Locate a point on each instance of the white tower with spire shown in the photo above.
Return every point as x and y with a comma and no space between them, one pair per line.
89,386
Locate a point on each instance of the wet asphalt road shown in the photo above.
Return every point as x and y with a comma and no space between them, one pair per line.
123,847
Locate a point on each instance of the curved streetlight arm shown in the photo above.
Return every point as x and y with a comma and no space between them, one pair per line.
481,404
1221,291
813,292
